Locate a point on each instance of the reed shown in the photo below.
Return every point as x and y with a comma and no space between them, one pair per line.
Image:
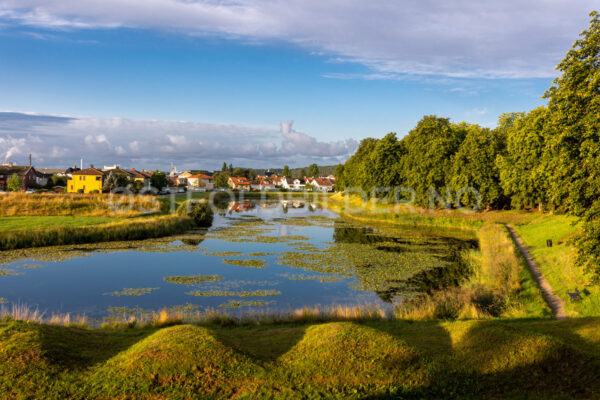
208,317
91,205
500,286
128,229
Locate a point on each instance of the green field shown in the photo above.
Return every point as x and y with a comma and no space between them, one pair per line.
557,263
23,223
528,359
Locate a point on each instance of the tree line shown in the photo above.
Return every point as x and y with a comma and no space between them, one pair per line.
547,158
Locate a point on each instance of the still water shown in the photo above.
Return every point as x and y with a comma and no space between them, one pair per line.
270,255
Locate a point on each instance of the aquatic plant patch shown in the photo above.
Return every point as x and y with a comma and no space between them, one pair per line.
191,280
132,292
8,272
225,293
223,253
246,263
245,303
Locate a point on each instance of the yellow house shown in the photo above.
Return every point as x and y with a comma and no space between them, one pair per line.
86,181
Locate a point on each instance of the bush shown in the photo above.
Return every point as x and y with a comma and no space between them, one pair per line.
488,302
79,190
199,211
447,307
96,191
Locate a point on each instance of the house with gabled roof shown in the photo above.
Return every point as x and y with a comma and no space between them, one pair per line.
201,180
86,181
322,184
239,183
26,173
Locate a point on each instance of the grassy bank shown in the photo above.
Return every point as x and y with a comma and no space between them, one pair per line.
90,205
126,229
462,359
42,222
557,263
500,284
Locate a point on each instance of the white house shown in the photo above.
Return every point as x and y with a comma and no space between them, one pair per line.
201,180
298,184
322,184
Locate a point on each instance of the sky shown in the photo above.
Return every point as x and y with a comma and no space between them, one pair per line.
147,83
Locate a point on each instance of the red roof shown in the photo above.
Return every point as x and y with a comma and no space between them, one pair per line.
323,182
200,176
88,171
240,180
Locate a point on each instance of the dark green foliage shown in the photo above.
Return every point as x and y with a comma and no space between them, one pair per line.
286,172
429,150
220,179
474,165
339,175
201,212
313,170
574,107
159,180
115,181
522,168
245,172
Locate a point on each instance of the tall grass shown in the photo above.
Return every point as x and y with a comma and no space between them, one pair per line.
92,205
167,317
128,229
501,286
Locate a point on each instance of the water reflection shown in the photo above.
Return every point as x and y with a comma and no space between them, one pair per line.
294,250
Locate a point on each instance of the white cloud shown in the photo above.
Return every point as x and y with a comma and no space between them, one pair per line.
461,38
62,140
307,145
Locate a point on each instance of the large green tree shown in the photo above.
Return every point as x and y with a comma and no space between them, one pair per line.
574,106
427,164
286,172
220,179
383,166
356,173
313,170
523,172
474,166
159,180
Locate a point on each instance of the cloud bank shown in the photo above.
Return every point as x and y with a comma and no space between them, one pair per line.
61,141
461,38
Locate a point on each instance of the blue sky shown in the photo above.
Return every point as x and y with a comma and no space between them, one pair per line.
197,83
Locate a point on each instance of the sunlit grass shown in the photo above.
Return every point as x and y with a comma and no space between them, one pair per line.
557,263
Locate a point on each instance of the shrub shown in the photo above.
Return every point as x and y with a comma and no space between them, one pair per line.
96,191
79,190
199,211
447,307
488,302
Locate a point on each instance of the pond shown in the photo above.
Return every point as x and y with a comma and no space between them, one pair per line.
257,256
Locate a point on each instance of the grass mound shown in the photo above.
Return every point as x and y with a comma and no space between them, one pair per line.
536,359
179,360
340,357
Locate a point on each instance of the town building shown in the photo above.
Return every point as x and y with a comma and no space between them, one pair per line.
239,183
88,180
26,173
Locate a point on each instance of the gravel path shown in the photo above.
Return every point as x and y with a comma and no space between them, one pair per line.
554,302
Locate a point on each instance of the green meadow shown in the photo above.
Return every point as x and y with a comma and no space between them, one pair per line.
534,359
